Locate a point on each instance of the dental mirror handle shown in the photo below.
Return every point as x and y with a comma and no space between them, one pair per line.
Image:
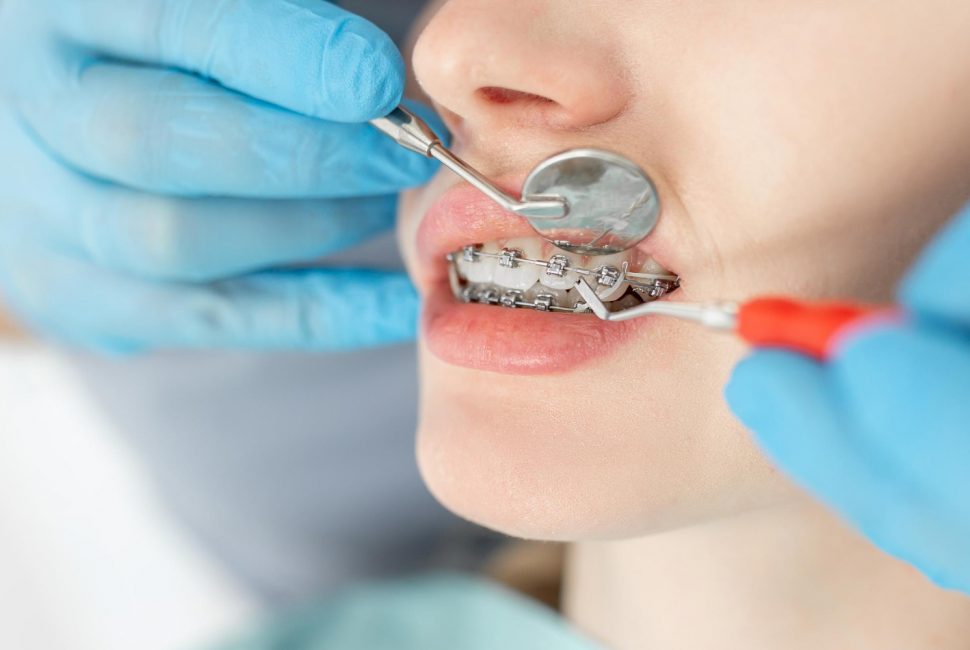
414,134
808,328
409,131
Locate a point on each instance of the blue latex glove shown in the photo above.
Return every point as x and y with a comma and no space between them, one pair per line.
157,157
882,431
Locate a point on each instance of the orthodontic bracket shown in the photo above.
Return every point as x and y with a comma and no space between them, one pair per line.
511,298
543,302
610,276
509,258
557,265
469,253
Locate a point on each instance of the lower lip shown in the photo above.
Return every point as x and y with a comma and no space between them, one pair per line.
516,341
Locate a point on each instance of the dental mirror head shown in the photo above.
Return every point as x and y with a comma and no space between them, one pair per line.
612,203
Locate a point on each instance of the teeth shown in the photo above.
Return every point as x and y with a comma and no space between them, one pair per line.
514,274
651,266
476,268
560,297
573,298
527,273
550,276
609,270
607,293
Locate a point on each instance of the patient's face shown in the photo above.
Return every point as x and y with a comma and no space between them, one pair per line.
804,148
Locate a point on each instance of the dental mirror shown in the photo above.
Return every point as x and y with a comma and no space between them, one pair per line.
586,201
613,204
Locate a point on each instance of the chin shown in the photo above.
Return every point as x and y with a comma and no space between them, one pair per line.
570,456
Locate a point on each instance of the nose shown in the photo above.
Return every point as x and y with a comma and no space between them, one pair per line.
498,64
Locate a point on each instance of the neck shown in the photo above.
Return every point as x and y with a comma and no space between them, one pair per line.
791,577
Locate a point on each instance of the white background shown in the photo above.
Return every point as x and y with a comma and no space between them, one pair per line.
89,560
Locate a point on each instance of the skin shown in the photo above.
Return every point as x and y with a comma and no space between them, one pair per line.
803,148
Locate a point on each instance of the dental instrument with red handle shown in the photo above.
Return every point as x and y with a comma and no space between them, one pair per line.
808,328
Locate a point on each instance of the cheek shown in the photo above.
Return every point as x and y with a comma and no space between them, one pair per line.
408,211
412,206
801,165
635,443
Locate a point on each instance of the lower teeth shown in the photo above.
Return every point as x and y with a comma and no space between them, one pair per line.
489,294
641,287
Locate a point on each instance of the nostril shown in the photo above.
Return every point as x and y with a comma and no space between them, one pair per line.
498,95
524,108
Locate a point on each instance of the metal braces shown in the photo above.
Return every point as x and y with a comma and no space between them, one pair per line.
650,286
558,265
514,299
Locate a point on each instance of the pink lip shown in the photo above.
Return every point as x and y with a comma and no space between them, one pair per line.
462,216
511,341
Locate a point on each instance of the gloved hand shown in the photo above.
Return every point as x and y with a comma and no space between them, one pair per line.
164,164
882,431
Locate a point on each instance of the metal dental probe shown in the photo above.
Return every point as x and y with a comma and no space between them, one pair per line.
586,201
808,328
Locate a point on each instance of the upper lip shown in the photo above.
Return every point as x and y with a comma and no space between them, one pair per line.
462,215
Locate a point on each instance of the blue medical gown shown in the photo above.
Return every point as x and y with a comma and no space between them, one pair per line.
438,612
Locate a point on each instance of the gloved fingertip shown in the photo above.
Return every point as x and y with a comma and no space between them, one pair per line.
944,579
789,405
867,338
861,329
384,89
368,79
880,362
745,382
399,323
756,385
946,257
367,308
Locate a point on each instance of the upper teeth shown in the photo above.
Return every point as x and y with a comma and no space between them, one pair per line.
528,272
510,269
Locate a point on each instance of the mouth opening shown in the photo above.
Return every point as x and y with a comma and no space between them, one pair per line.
530,273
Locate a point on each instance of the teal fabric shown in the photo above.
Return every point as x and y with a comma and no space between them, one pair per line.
881,431
437,612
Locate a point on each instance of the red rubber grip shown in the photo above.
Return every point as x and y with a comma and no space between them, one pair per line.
802,327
